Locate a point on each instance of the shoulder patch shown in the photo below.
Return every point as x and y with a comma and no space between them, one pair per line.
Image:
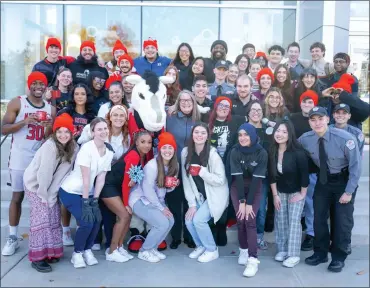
361,137
350,144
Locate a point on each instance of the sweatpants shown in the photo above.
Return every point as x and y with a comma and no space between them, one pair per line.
86,232
160,224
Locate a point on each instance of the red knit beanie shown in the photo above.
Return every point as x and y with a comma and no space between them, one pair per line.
87,43
310,94
261,54
221,98
265,71
64,120
36,75
126,57
112,78
345,82
166,138
53,41
119,46
152,42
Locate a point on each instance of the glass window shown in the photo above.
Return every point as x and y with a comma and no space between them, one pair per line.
260,3
24,32
359,9
262,27
104,25
171,26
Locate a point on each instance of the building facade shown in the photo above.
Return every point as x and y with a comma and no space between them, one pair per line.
26,25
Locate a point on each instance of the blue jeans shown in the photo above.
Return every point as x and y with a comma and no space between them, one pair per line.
86,232
261,215
199,228
308,207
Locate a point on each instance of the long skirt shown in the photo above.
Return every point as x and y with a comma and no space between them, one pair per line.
45,237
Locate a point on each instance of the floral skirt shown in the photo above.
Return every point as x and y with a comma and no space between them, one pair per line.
45,237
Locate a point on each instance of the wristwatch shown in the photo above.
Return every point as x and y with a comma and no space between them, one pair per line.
242,201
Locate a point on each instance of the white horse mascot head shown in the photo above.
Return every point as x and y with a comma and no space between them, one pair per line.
148,98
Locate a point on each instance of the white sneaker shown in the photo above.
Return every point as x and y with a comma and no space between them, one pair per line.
125,253
158,254
197,252
78,260
281,256
252,267
116,256
67,239
290,262
96,247
89,257
208,256
148,256
10,246
243,256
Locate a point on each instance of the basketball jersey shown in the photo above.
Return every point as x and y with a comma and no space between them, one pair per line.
29,138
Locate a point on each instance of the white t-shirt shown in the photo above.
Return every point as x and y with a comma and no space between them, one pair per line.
104,109
88,156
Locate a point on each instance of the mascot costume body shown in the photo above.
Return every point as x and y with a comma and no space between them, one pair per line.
148,100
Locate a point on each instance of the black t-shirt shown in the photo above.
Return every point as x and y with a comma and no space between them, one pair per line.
224,134
199,182
264,139
238,107
62,101
300,123
99,100
249,165
79,120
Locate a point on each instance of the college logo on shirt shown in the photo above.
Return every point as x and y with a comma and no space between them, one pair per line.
159,64
254,163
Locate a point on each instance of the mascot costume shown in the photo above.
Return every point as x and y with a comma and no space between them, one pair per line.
148,100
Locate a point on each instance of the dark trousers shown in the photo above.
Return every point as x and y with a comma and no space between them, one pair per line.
109,219
247,230
178,206
326,202
86,232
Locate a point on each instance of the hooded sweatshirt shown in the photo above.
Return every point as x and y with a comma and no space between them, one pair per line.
81,69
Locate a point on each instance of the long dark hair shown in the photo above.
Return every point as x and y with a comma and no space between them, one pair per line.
286,89
191,74
177,59
136,136
64,152
291,146
239,57
173,169
204,155
124,100
91,77
71,107
301,88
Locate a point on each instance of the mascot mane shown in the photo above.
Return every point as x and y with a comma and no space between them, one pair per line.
151,80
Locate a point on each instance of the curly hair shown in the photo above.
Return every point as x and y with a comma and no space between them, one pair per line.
125,132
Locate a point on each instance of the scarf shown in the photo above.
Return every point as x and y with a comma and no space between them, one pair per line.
251,131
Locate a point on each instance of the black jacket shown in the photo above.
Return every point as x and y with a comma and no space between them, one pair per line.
184,75
81,69
50,69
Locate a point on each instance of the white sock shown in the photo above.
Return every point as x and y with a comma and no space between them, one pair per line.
13,230
66,229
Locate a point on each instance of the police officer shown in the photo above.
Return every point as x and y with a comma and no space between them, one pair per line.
220,87
341,115
337,155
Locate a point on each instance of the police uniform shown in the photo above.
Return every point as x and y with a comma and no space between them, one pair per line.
223,89
341,155
351,129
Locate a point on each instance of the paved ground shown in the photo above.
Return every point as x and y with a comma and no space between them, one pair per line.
180,271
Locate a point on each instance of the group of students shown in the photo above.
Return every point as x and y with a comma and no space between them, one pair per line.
242,141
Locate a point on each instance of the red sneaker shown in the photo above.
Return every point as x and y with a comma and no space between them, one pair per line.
162,246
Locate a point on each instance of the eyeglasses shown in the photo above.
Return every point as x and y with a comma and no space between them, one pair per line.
99,81
256,110
223,107
340,61
183,101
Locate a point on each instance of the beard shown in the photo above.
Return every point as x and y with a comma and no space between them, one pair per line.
216,53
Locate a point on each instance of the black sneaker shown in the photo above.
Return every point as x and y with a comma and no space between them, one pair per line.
175,244
41,266
315,260
307,244
336,266
190,243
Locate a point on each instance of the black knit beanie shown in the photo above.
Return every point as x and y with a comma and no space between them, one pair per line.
221,42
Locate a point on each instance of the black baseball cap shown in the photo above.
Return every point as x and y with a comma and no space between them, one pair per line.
321,111
222,64
342,106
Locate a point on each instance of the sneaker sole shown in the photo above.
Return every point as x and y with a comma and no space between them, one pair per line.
10,254
92,264
141,258
81,266
208,260
40,270
249,276
290,265
111,260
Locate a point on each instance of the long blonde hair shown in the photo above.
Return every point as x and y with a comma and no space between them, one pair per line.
195,115
281,107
